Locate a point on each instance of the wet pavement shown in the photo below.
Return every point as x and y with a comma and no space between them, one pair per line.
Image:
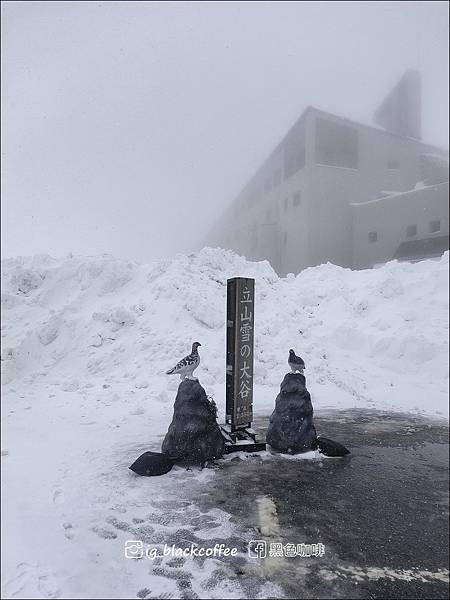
381,512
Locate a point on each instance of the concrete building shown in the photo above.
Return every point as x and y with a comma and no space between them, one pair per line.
298,208
416,227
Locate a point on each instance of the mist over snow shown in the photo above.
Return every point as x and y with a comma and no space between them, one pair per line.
129,127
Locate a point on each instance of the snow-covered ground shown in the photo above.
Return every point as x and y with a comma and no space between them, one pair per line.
85,344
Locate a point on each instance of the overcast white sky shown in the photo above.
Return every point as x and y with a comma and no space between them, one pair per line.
127,126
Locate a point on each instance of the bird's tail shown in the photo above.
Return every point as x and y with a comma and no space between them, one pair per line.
170,371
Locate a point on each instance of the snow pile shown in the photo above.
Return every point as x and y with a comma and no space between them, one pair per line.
79,321
86,342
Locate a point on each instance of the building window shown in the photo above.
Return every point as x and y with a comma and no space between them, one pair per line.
394,165
411,230
297,199
277,177
373,236
336,144
435,226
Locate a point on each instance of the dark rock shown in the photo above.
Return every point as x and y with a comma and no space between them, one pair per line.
331,448
291,427
194,435
152,463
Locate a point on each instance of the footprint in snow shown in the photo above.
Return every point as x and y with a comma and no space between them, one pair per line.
121,525
146,593
105,534
30,581
119,508
58,497
69,531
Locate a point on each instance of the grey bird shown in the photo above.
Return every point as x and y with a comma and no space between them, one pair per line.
187,365
295,362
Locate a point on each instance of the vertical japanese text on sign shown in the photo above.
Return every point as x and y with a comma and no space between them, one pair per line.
240,326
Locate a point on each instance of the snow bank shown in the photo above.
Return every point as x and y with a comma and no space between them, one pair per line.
378,337
86,342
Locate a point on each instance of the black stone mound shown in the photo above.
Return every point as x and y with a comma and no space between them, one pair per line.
330,447
291,427
193,435
152,463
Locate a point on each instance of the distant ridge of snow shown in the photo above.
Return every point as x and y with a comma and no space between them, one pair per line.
86,319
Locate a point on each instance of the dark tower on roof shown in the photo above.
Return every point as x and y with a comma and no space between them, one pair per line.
400,111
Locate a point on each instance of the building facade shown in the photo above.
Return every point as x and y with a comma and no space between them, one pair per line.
297,209
417,226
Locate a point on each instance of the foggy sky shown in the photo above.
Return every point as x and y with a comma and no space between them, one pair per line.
127,127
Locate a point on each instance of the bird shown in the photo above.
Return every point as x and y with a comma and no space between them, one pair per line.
187,365
295,362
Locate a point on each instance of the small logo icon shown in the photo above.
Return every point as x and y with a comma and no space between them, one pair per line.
257,549
134,549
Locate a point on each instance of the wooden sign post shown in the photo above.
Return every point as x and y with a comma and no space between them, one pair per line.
239,366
